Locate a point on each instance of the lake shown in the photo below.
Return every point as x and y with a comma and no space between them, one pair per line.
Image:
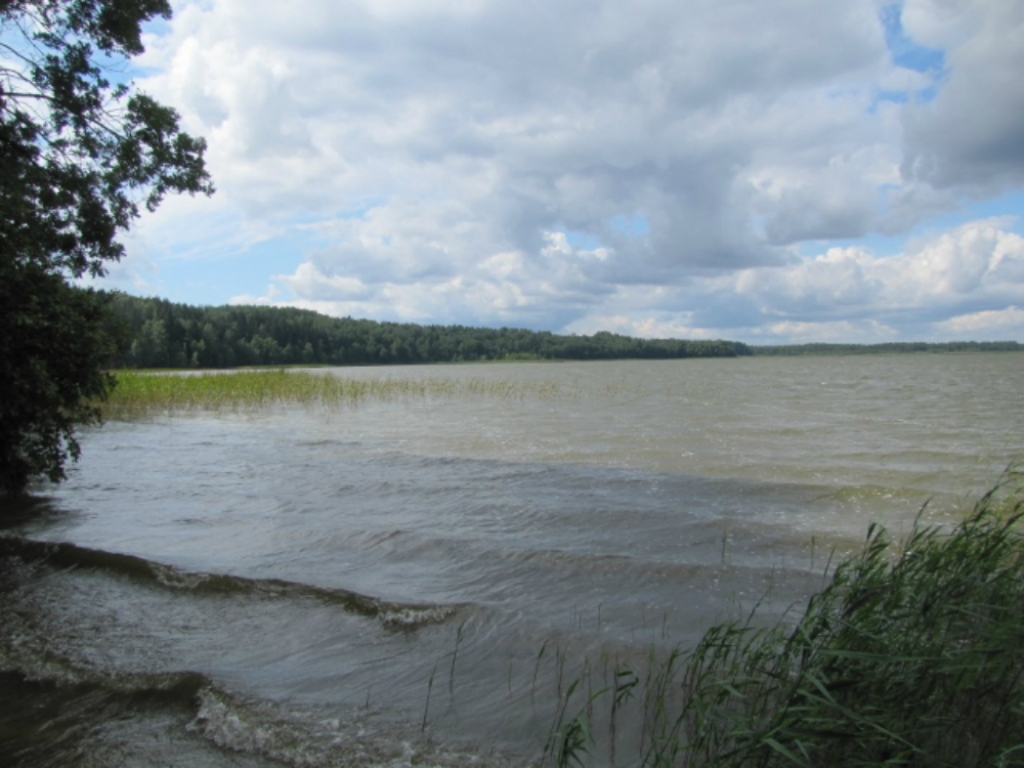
419,579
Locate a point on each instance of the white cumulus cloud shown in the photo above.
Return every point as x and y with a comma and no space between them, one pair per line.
564,164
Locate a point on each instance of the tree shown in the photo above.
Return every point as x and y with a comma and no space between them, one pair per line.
79,155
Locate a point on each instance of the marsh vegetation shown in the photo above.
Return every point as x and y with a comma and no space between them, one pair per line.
912,655
137,392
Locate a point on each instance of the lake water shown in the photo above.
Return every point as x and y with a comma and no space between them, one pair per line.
417,580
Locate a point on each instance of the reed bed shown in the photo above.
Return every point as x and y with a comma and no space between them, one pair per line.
138,393
912,655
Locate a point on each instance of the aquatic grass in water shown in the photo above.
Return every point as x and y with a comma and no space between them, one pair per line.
138,393
913,655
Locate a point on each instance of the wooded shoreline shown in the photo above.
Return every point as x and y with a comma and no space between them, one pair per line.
155,333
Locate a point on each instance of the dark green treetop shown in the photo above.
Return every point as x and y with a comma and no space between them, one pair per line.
79,156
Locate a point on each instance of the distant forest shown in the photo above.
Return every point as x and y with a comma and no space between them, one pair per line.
155,333
894,347
160,334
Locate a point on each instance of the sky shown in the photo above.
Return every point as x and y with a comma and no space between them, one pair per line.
784,172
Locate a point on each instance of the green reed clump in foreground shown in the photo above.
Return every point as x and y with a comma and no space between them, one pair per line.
913,655
138,392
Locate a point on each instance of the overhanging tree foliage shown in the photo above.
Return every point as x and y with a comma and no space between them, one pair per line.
79,156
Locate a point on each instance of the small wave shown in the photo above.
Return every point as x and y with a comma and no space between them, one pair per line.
56,708
185,718
30,664
296,738
53,711
411,618
393,615
868,494
53,723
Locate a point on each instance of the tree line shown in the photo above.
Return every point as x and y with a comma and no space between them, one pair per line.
893,347
156,333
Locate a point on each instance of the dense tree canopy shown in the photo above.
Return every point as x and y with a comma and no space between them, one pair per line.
890,347
168,335
79,154
162,334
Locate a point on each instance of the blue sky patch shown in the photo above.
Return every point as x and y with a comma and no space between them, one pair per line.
904,51
1009,207
236,274
635,225
582,240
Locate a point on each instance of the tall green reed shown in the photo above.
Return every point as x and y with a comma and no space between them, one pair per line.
140,393
912,655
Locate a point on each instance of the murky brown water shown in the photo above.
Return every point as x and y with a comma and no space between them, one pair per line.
310,586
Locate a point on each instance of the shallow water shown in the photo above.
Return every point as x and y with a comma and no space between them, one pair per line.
416,580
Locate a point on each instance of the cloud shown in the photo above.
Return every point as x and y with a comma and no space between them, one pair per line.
924,288
658,166
1002,321
930,291
539,117
972,135
644,327
830,332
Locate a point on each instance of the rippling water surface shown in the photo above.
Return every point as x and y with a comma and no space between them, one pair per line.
414,580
